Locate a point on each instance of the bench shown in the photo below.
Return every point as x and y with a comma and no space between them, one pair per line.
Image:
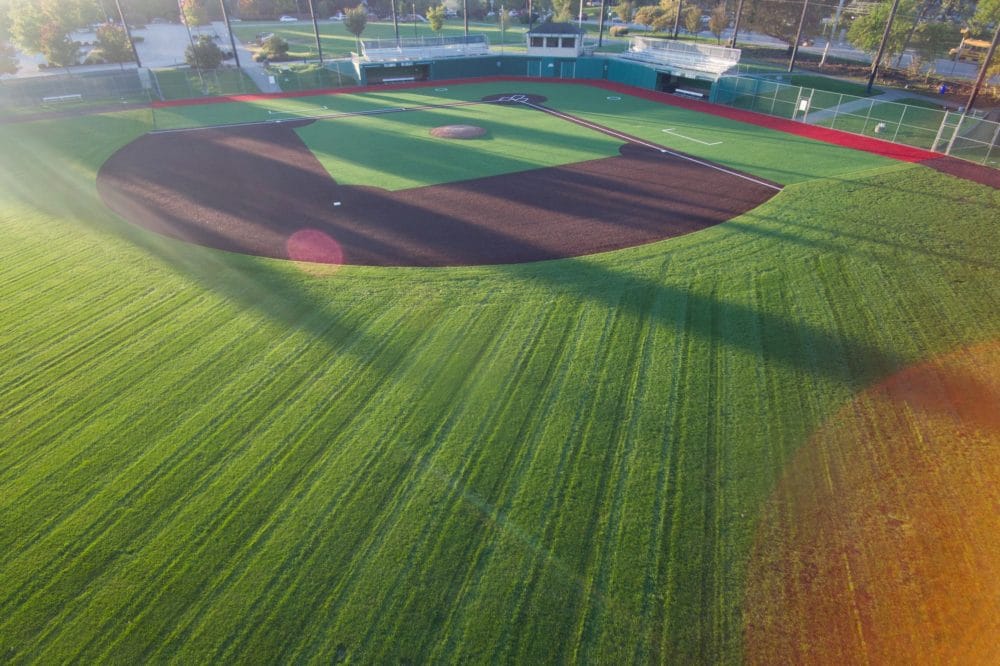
399,79
63,98
689,93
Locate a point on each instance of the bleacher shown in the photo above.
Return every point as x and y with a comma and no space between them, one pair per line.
686,59
422,48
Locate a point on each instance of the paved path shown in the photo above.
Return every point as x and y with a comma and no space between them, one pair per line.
254,70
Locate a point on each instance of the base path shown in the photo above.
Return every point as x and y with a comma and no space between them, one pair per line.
257,189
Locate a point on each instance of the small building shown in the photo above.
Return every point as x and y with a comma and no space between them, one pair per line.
555,40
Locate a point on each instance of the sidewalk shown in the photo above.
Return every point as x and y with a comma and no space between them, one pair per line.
255,70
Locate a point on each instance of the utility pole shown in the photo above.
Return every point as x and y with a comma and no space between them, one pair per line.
465,16
677,19
128,33
982,70
798,36
600,28
833,30
975,88
232,40
881,46
319,47
736,25
395,22
194,52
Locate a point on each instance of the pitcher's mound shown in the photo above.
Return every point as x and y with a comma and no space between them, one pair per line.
458,131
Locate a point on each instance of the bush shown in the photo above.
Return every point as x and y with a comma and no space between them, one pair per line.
204,54
273,48
618,30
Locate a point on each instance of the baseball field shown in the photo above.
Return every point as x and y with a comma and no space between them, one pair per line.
618,380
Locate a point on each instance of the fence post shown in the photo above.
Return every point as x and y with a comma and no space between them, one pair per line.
992,144
871,105
899,123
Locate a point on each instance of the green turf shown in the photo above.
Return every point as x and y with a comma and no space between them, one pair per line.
773,155
337,42
213,458
187,83
899,122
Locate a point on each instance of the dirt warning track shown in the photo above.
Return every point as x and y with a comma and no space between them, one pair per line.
257,189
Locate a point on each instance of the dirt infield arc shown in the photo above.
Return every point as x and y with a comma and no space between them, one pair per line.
259,190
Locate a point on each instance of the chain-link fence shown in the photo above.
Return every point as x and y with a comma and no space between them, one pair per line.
190,83
909,120
68,91
313,76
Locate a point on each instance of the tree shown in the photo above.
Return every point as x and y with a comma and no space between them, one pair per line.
355,21
57,47
780,19
273,48
194,13
718,21
562,10
649,15
624,10
987,14
113,43
866,31
203,54
933,40
692,19
435,16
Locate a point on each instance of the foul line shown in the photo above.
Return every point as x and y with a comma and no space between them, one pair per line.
671,132
325,116
653,146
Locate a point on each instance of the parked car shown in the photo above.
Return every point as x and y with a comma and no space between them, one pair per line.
288,19
337,17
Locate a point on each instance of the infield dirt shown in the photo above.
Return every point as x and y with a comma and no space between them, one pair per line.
250,189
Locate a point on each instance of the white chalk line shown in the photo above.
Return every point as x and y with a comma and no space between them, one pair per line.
653,146
671,132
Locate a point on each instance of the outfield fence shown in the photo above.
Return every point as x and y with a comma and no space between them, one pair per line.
65,91
967,136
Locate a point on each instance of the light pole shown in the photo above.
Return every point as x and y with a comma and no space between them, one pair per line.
128,33
232,40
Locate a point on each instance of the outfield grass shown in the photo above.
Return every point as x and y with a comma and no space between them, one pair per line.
214,458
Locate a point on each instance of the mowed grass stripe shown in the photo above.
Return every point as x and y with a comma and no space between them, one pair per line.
268,573
406,508
155,490
55,406
75,327
597,600
375,501
465,520
510,442
493,580
203,484
559,600
420,520
549,476
240,495
45,489
623,545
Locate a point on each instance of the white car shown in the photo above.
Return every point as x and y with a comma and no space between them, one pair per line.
288,19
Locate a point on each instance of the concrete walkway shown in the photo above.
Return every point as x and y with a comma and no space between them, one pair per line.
255,70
